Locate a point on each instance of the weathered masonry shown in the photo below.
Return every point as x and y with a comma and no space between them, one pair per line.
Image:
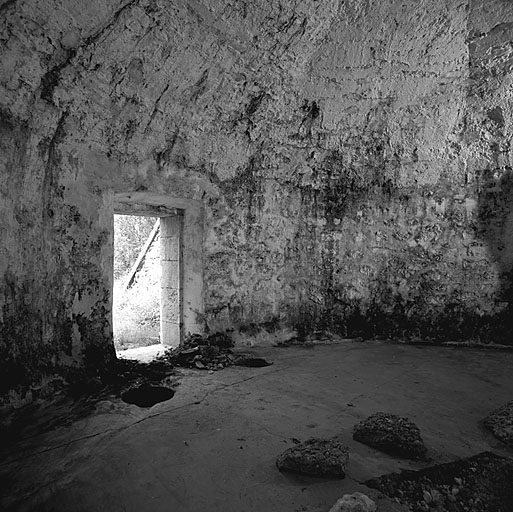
340,165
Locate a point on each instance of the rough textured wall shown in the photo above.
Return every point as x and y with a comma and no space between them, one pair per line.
353,158
486,148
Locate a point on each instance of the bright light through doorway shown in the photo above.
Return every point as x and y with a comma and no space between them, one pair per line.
137,276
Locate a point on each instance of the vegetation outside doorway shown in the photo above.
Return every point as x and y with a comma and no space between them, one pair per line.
137,274
147,305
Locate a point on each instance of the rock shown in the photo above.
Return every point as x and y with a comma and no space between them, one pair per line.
500,423
391,434
315,457
356,502
71,39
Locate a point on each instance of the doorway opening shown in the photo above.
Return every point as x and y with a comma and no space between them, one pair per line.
181,251
136,295
147,308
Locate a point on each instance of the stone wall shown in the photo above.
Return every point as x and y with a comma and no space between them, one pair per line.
353,159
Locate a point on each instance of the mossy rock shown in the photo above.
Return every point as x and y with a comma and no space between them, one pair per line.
391,434
315,457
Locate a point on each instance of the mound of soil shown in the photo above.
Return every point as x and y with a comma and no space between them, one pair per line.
500,423
391,434
482,483
315,457
356,502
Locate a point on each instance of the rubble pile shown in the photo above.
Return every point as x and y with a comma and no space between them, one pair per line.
212,352
481,483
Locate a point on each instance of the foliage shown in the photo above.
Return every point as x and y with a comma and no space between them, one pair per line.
136,316
130,234
136,311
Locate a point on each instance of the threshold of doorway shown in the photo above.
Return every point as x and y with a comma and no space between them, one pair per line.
143,354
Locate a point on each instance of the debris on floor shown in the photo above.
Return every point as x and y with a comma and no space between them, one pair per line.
132,372
482,483
315,457
139,383
211,352
143,384
500,423
356,502
79,398
391,434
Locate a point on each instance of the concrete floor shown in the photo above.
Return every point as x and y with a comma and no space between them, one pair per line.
213,446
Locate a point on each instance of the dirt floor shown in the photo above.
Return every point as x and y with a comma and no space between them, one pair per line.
213,446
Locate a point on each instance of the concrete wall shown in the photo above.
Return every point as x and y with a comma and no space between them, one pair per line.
352,160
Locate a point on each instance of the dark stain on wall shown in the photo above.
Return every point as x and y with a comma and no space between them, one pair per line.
346,184
22,361
490,61
245,191
496,229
